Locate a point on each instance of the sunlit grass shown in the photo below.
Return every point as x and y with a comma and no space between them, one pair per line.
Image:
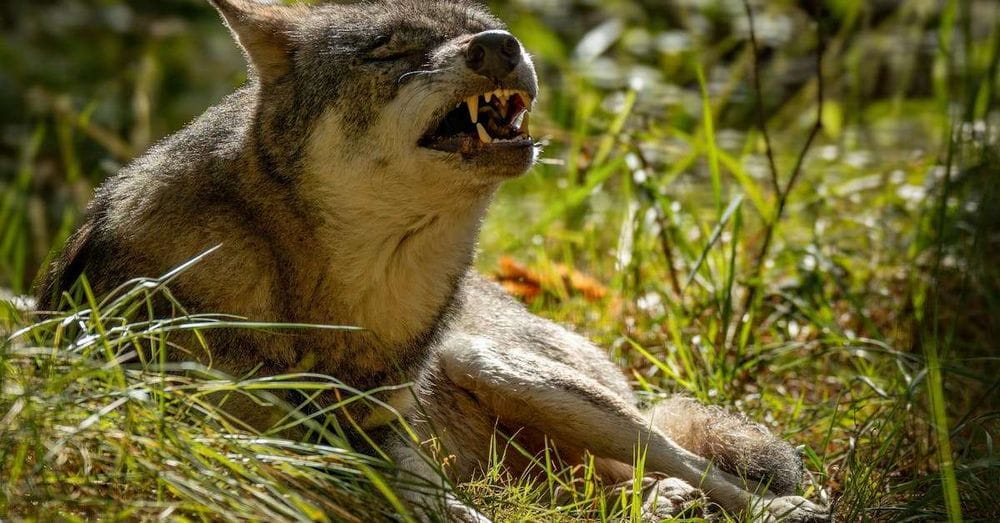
97,424
872,341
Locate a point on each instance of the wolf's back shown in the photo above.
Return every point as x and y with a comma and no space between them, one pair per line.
197,162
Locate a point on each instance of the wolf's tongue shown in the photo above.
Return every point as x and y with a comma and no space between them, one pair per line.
490,111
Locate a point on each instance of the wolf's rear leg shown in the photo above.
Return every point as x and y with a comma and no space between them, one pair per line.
521,387
731,441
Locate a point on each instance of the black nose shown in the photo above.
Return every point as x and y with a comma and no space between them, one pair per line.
493,54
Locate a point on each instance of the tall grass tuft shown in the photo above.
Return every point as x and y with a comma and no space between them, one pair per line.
97,424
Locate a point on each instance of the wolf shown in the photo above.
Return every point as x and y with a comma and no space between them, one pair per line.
345,184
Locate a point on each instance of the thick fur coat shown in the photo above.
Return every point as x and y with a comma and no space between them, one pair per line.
344,186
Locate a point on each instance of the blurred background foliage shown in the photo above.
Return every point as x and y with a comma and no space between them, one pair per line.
878,311
85,85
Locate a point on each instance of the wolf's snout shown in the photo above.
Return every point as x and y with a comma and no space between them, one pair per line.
493,54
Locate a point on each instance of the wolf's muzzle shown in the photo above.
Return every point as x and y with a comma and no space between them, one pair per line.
493,54
489,115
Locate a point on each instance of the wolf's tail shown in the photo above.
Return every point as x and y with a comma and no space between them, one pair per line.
733,442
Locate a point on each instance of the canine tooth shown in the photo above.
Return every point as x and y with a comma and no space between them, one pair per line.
473,104
523,128
483,135
518,120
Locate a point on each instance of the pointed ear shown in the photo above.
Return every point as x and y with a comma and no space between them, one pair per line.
262,30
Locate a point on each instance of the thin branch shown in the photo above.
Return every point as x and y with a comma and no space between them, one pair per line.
664,223
772,223
759,100
63,108
668,252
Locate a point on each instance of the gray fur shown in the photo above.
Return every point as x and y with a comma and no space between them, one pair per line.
327,212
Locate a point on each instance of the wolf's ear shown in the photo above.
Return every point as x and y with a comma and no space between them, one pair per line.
262,30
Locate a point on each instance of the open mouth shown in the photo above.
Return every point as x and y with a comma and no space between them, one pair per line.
498,118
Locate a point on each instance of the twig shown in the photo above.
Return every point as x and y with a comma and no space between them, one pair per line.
662,220
753,284
668,252
759,100
63,108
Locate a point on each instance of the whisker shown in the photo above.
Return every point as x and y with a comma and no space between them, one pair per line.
414,73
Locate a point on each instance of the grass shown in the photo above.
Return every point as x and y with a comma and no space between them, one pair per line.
854,311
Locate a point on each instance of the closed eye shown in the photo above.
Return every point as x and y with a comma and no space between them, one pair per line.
393,55
393,47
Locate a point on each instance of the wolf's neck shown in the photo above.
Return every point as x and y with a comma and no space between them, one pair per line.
394,238
399,274
393,260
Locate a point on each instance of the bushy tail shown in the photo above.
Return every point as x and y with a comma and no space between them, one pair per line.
733,442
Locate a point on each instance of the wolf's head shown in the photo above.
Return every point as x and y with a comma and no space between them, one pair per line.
403,95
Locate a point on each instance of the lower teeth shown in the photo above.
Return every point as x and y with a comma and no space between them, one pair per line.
483,135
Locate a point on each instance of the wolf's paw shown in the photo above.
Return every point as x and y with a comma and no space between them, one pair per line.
432,509
795,509
666,498
459,512
677,492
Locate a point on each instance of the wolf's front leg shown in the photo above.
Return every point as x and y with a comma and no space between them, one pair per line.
427,491
520,386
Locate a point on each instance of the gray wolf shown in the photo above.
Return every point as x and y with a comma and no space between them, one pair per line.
346,184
